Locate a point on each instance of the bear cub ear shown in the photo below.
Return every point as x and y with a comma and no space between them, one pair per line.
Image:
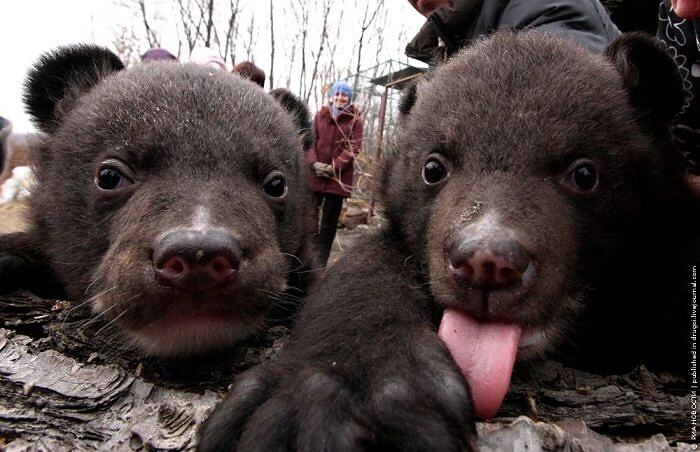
60,77
297,109
411,92
650,76
408,99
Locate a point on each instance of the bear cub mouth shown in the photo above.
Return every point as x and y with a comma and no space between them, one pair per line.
491,316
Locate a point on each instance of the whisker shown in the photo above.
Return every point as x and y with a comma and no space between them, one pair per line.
111,322
97,317
80,305
92,283
301,263
280,296
313,270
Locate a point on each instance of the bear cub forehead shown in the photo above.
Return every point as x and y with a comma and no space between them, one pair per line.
183,109
520,94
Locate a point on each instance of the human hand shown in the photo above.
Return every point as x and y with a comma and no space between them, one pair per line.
685,9
323,169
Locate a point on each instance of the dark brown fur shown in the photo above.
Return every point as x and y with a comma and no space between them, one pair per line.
510,145
299,112
364,369
199,145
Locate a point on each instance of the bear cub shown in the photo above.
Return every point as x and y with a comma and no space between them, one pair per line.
534,206
171,198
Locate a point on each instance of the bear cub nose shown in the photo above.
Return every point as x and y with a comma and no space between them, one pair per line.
489,266
196,260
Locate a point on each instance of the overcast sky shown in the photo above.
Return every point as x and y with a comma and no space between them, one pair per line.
31,27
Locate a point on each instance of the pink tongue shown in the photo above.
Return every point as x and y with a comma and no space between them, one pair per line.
485,352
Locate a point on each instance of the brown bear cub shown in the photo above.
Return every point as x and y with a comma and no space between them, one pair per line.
170,197
533,205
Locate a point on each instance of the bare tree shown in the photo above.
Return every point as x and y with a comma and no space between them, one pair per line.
150,34
302,20
332,72
291,59
125,42
250,43
189,26
140,8
209,23
367,20
232,31
324,35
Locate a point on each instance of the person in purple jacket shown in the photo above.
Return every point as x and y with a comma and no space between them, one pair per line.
338,132
157,54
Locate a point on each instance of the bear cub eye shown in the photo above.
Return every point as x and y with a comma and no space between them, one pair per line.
583,176
111,176
275,185
434,170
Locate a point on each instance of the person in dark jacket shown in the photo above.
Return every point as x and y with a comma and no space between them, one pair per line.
338,138
453,24
679,28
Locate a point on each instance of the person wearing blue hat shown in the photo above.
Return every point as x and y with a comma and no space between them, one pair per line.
341,98
338,139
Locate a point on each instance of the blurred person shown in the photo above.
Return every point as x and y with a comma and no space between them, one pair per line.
338,138
5,129
248,69
679,28
15,173
206,56
157,54
686,9
453,24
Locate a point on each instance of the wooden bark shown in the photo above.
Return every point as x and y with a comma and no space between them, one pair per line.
64,387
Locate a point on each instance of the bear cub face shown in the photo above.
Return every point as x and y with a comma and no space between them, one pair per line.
536,181
171,196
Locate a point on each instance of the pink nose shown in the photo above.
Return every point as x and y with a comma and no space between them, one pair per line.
489,266
195,261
